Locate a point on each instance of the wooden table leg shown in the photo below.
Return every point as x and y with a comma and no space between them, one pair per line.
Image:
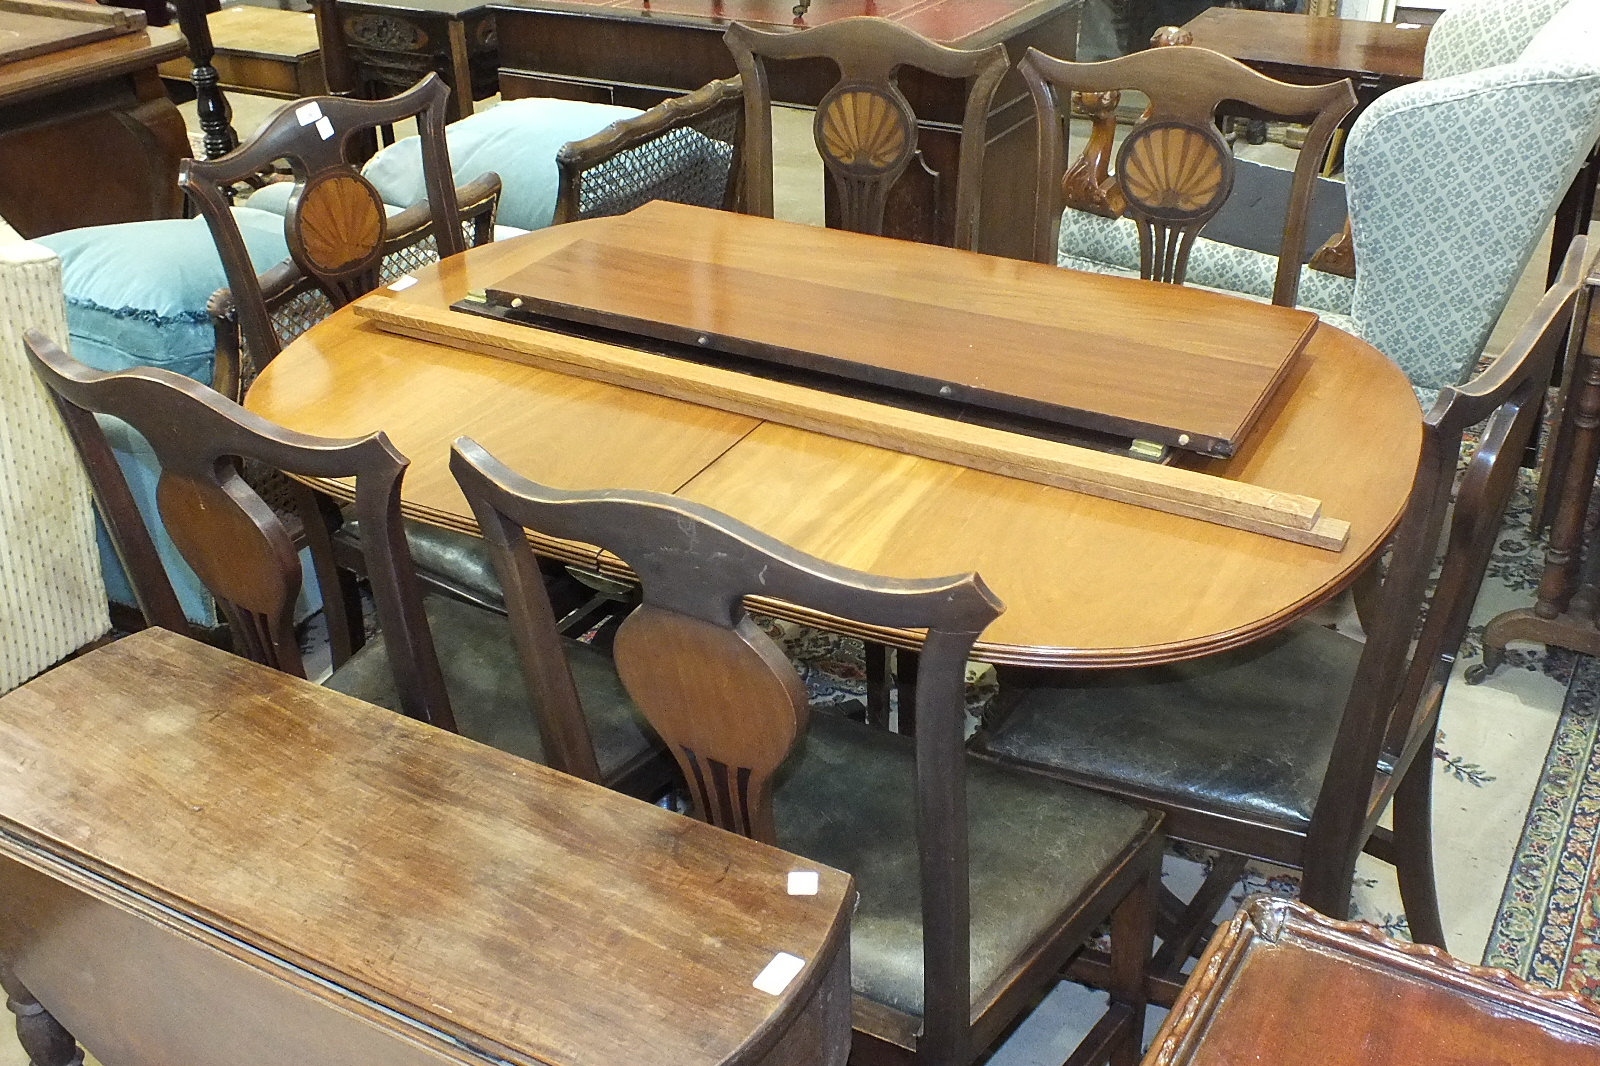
1559,617
45,1040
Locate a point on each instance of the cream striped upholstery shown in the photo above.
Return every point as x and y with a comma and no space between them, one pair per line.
52,600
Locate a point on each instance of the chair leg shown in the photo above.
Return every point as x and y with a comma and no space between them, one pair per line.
905,683
877,664
1413,848
1193,927
45,1040
341,592
1133,930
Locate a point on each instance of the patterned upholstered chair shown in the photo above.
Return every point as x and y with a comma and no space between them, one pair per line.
1451,182
51,599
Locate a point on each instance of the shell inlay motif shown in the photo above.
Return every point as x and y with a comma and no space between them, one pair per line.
1173,169
865,129
341,223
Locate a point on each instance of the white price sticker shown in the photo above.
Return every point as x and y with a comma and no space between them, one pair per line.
783,968
325,127
802,882
404,282
308,113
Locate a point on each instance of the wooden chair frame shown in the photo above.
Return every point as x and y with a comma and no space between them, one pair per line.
709,102
1174,171
695,568
216,519
335,223
1383,747
865,114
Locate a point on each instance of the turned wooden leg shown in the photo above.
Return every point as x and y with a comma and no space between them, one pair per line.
41,1036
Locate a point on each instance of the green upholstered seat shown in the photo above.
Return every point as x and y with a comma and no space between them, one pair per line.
458,560
845,798
487,694
1248,732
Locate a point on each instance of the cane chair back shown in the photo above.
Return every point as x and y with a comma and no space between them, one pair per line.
335,224
1174,171
687,150
295,301
865,128
236,543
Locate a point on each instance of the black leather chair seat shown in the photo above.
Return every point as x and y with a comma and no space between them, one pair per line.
845,798
457,562
491,704
1247,732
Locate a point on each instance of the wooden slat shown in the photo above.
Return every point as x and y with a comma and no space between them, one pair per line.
1170,489
120,19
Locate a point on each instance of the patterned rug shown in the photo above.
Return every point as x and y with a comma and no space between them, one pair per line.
1548,928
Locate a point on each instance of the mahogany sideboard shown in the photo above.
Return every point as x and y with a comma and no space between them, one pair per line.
1280,983
88,135
640,52
203,860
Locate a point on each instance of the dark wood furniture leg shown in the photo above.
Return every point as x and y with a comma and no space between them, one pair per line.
1561,616
212,107
1575,212
45,1040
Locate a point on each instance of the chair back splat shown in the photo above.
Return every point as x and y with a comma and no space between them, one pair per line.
233,540
865,128
1174,170
721,692
335,225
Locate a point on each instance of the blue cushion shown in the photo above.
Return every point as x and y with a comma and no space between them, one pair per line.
517,139
136,292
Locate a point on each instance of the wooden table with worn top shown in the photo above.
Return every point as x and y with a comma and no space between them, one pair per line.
1311,50
243,867
88,135
1086,581
1281,983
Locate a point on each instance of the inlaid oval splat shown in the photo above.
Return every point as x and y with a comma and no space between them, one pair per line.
864,129
340,223
1173,170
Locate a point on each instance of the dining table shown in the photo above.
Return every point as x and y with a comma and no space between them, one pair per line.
1086,581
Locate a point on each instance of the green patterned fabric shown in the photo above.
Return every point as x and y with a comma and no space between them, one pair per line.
1474,34
1111,246
1451,186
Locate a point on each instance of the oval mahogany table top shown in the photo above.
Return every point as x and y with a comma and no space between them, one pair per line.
1086,581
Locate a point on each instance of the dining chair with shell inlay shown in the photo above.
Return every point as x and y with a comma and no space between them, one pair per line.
1174,170
865,128
977,882
342,243
435,658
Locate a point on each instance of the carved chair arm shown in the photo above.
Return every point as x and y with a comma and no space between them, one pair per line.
1338,255
1088,185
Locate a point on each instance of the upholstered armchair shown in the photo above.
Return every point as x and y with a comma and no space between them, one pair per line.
1450,184
51,599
